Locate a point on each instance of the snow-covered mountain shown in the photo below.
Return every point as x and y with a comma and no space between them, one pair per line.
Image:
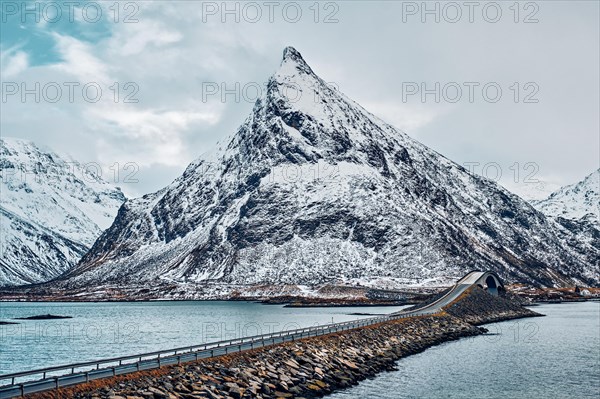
312,189
575,209
574,201
52,209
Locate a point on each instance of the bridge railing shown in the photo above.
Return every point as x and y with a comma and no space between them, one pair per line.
152,360
133,360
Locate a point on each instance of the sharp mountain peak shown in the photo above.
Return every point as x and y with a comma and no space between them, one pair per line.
312,188
291,55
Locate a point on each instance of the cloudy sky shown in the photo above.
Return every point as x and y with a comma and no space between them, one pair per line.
510,91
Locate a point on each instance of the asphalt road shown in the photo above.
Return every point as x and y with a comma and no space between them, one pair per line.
82,376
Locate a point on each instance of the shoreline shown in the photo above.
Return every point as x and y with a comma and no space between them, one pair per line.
285,304
308,368
290,296
323,296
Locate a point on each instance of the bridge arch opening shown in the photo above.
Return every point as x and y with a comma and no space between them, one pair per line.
492,287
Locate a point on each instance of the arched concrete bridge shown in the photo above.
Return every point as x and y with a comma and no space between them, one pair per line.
72,374
489,281
486,280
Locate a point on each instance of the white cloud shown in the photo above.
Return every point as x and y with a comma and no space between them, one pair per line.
368,54
407,117
152,136
13,62
79,61
145,33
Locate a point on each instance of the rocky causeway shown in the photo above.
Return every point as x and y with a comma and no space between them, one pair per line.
307,368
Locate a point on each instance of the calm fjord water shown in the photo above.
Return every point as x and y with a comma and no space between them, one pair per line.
111,329
557,356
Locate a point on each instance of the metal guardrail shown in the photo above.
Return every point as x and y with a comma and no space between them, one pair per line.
152,360
452,291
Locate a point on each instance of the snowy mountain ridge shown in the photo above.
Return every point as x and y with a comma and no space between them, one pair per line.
52,209
314,189
575,201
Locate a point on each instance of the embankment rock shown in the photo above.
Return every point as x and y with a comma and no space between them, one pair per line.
307,368
477,306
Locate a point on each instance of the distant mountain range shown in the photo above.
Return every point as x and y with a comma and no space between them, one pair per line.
576,201
314,189
575,209
52,209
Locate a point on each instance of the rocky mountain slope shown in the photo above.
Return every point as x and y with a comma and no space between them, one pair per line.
575,209
313,189
52,209
575,201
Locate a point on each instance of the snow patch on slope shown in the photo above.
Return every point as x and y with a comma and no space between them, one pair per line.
52,211
575,201
313,189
